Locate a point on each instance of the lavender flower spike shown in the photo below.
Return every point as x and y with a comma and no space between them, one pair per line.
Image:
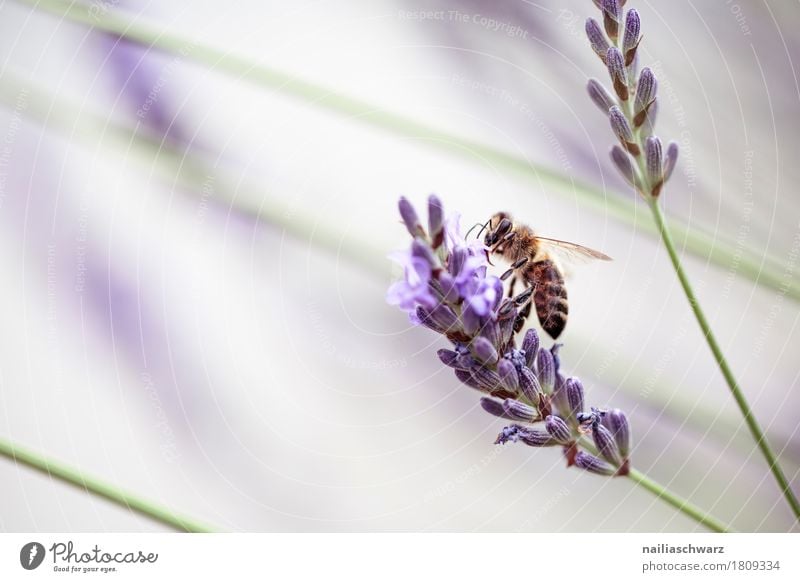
448,290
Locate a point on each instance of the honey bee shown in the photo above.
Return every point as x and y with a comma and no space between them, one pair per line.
533,260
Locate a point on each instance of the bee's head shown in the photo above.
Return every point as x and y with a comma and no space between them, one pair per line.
499,225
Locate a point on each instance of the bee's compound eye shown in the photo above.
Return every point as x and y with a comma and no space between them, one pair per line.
503,228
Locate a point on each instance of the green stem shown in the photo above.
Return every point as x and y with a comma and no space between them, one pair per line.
736,391
677,502
664,494
89,484
760,269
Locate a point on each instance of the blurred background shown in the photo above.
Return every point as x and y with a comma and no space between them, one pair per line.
194,229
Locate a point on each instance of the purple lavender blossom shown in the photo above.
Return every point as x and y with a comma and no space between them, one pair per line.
633,126
414,288
447,288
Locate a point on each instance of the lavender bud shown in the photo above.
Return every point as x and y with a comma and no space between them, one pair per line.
448,286
470,320
483,350
546,370
556,426
654,158
530,345
630,40
612,16
466,377
605,444
600,95
597,39
410,218
508,375
617,424
448,357
537,438
493,407
425,318
534,438
465,359
491,331
455,359
592,464
444,317
645,95
623,163
529,385
435,221
506,325
616,68
421,250
486,379
670,159
622,129
457,259
574,390
517,410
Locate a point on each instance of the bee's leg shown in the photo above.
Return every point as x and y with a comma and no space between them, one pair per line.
511,286
516,265
524,300
523,315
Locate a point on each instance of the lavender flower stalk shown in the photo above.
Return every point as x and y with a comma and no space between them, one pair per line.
632,106
647,166
446,287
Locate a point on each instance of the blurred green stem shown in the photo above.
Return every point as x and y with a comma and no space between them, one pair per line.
722,362
62,472
758,268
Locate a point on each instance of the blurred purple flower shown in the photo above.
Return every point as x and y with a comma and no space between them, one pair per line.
413,289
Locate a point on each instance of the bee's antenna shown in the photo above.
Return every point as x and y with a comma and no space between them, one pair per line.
483,226
466,236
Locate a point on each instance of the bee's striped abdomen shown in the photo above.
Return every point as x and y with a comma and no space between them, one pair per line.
549,296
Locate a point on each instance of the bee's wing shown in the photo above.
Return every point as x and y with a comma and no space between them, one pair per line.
571,252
